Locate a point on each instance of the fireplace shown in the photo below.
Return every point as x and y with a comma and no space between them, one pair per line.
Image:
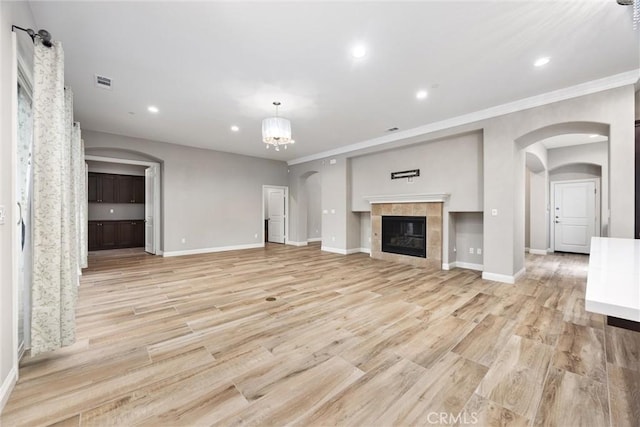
405,235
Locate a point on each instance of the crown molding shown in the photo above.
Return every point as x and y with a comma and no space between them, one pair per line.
587,88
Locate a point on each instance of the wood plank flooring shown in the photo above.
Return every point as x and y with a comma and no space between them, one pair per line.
348,341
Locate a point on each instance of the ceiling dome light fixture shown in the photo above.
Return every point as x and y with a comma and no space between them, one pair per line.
359,51
276,131
542,61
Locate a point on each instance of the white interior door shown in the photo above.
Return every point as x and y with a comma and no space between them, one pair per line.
574,216
276,210
149,209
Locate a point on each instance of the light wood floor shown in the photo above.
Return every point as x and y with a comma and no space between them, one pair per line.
348,341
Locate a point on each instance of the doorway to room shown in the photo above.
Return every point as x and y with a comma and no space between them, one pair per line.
124,204
275,207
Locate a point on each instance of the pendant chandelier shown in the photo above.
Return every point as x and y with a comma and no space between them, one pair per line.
276,131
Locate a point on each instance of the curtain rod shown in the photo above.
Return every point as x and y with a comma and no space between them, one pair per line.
44,35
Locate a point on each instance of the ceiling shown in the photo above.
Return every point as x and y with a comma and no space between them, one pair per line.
571,139
210,65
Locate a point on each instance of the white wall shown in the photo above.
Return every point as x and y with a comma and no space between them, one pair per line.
450,165
527,208
211,199
11,13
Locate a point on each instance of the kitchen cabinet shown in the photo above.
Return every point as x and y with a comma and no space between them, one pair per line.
112,188
115,234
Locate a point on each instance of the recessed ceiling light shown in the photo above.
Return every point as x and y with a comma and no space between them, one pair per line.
359,51
421,94
152,109
542,61
235,128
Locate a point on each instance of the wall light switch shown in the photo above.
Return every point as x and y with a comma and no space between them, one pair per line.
494,212
332,161
470,250
2,215
479,251
333,211
324,211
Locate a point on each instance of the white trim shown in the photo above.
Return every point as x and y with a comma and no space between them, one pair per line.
365,250
519,274
469,266
7,387
340,251
292,243
286,212
314,239
538,251
587,88
448,266
503,278
211,250
408,198
121,161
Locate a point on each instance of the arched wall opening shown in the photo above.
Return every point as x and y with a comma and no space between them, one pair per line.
536,160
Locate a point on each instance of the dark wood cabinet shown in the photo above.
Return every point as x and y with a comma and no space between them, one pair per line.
115,234
111,188
138,189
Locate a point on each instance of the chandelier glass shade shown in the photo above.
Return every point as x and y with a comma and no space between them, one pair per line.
276,131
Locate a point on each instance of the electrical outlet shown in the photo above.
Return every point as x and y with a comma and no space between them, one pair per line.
470,250
333,211
333,238
494,212
2,215
255,236
324,211
110,210
184,240
479,251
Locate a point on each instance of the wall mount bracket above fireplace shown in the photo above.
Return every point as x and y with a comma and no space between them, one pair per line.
409,198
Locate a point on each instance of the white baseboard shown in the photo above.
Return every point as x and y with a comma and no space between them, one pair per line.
293,243
537,251
365,250
460,264
7,387
314,239
210,250
469,265
340,251
504,278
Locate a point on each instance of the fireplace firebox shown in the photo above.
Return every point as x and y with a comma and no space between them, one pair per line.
405,235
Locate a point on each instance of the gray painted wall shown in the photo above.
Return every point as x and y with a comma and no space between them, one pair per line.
365,230
313,190
116,168
451,165
469,235
211,199
115,211
17,13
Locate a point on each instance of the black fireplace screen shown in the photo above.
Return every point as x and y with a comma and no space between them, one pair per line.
406,235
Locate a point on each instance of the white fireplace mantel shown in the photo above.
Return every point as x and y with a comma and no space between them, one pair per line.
408,198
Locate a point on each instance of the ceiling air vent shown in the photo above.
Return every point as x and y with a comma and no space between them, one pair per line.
103,82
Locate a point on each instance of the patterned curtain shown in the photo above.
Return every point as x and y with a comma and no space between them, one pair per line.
57,196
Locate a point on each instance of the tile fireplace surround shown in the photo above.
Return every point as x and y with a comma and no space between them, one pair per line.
433,212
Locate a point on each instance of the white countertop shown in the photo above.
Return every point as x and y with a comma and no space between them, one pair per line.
613,283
